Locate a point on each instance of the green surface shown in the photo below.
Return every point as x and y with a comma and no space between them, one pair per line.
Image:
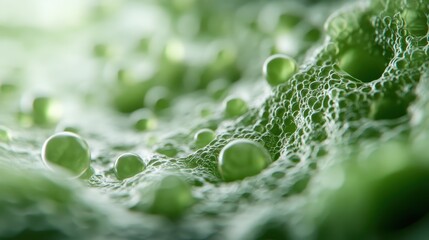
336,150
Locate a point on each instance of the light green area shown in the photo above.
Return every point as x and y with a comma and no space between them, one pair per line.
46,111
5,135
235,107
338,150
170,196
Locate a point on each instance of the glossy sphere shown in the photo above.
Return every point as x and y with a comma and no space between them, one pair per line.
67,150
143,120
171,197
204,137
4,134
278,69
158,99
235,107
242,158
361,65
46,111
128,165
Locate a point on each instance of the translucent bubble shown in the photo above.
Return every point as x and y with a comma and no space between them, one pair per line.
158,98
46,111
171,196
143,120
203,137
68,151
242,158
278,69
128,165
235,107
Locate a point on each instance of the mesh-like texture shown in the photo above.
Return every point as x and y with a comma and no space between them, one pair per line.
322,116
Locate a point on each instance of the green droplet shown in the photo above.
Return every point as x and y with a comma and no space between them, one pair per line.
360,64
242,158
168,149
124,77
158,98
415,21
203,137
143,120
287,21
46,111
128,165
235,107
171,197
5,135
67,150
103,51
278,69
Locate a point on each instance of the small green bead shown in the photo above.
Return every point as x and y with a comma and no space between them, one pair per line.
103,51
362,65
46,111
242,158
288,21
168,149
171,197
235,107
158,99
67,150
124,77
5,135
143,120
278,69
128,165
203,137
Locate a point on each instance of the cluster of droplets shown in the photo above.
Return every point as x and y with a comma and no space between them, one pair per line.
357,86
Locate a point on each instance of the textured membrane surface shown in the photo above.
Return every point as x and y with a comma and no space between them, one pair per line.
347,133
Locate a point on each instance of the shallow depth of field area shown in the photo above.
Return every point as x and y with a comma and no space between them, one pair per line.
203,119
